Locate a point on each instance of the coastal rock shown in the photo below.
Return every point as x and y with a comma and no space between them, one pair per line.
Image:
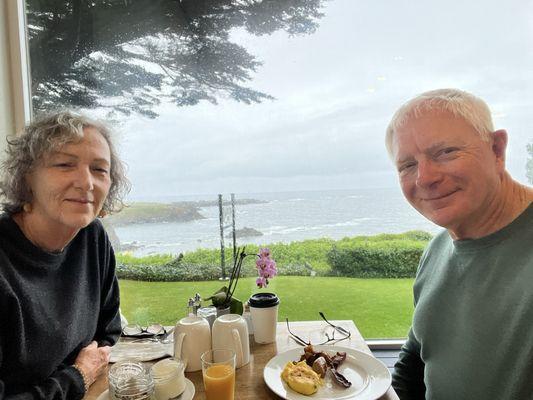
141,213
130,246
245,232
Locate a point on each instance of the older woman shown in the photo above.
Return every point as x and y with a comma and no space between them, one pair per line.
59,299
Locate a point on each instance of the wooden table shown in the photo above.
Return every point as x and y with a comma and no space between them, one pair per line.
249,379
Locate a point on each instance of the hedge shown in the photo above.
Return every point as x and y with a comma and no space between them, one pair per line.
376,262
378,256
177,271
168,273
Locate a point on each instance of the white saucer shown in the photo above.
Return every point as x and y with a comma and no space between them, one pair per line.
187,394
140,351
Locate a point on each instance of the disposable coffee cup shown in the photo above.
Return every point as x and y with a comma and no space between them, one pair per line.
264,312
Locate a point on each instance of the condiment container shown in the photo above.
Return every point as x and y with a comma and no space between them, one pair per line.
169,378
130,380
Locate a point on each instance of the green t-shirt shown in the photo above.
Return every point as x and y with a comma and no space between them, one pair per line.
473,320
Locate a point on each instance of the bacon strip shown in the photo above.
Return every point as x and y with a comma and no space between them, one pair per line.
331,362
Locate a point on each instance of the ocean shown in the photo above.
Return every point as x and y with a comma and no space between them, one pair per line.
281,217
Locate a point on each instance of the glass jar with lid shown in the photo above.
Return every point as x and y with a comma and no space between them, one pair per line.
130,380
169,378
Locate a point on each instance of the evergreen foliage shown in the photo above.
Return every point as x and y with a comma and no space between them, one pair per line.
129,56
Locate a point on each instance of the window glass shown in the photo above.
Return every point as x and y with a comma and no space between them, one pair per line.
284,104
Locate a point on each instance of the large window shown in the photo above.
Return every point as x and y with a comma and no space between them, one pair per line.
285,104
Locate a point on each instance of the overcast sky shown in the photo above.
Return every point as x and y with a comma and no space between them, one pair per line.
335,92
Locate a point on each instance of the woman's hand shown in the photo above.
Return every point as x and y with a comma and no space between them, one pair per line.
92,360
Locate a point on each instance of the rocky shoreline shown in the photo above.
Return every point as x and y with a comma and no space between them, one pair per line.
185,211
145,213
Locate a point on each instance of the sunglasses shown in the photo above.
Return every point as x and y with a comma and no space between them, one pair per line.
139,331
344,333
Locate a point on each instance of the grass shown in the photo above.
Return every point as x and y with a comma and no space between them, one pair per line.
381,308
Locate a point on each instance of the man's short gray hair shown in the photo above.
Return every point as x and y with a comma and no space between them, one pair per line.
43,137
460,103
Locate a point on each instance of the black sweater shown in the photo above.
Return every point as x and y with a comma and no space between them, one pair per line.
51,306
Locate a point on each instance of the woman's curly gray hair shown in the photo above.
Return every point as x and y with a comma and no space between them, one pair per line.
43,137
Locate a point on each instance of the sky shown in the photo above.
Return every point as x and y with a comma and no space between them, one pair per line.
335,92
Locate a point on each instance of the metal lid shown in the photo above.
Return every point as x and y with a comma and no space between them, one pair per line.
263,300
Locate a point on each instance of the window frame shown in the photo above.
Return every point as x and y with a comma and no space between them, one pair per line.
20,98
18,64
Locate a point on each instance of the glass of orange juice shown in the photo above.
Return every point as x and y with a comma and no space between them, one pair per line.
218,369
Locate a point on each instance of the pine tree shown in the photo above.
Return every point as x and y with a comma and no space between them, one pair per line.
129,55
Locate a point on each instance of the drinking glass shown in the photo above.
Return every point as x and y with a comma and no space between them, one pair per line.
130,380
218,370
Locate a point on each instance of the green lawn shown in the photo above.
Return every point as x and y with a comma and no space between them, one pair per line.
381,308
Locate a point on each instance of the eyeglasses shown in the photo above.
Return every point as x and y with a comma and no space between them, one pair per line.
139,331
339,329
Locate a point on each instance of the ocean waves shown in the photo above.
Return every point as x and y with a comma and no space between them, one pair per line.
285,217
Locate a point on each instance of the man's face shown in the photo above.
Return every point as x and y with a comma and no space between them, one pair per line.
447,172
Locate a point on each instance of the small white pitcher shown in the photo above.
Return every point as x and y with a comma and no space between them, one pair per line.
192,337
230,331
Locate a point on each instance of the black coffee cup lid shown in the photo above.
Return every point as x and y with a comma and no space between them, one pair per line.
263,300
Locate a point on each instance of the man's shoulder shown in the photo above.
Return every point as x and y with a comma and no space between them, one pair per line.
440,239
528,212
437,249
440,242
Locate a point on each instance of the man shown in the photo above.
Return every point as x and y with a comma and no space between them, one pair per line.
472,331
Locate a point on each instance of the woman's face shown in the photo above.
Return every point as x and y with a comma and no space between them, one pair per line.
69,186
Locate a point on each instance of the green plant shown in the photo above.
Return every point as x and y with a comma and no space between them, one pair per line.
266,269
384,255
376,261
224,297
168,272
153,259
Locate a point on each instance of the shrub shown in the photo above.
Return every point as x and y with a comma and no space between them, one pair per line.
168,273
294,270
153,259
418,235
179,271
378,256
385,261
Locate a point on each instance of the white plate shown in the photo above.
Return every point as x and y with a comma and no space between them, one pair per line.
187,394
370,378
140,351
